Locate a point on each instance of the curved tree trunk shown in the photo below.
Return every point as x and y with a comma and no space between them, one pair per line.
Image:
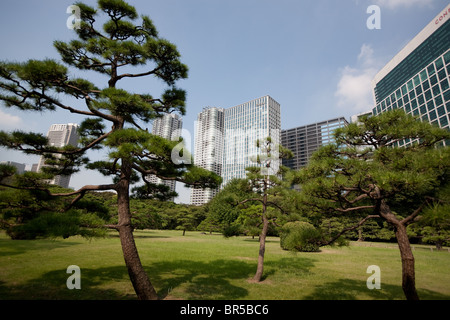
408,270
139,278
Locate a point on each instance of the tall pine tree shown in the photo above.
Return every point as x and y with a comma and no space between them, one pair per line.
265,186
126,47
365,175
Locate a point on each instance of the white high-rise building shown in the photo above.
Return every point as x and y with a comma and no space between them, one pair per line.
168,127
208,149
243,126
356,118
60,135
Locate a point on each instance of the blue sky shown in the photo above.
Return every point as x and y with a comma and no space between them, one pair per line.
316,58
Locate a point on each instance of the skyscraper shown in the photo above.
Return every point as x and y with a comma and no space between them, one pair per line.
20,167
60,135
304,140
417,78
208,149
243,126
356,118
168,127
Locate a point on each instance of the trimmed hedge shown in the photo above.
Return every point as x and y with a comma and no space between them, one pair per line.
299,236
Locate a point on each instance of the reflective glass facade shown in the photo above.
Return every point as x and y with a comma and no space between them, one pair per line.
304,140
243,126
420,82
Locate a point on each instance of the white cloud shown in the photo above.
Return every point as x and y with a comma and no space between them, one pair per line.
365,57
394,4
354,88
9,121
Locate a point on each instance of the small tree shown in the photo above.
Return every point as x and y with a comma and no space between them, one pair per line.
127,47
250,220
265,185
221,210
365,175
189,217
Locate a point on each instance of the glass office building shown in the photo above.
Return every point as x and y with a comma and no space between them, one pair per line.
208,149
417,79
243,126
305,140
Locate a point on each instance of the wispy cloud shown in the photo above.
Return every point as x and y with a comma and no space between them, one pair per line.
354,88
394,4
9,121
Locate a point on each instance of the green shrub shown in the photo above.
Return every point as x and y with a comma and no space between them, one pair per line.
232,230
300,236
56,224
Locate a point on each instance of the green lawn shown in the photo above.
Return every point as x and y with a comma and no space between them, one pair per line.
199,266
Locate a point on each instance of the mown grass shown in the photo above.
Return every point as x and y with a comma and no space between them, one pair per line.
210,267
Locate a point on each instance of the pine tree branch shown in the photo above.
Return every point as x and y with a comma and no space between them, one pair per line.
136,75
354,208
360,223
81,192
61,152
409,219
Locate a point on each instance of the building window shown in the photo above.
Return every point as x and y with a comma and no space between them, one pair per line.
431,69
439,63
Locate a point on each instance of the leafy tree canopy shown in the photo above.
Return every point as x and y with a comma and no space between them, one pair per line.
126,46
367,176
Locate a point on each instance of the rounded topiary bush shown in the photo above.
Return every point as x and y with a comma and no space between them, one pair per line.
299,236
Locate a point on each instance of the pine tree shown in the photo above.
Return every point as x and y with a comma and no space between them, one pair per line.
128,46
265,184
364,174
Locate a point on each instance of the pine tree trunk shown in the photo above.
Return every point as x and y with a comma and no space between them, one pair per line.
262,249
408,270
139,278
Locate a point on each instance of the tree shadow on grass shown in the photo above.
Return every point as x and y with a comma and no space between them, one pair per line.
293,266
10,247
346,289
212,280
52,286
215,279
202,280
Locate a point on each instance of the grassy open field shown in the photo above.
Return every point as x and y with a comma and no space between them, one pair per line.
199,266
